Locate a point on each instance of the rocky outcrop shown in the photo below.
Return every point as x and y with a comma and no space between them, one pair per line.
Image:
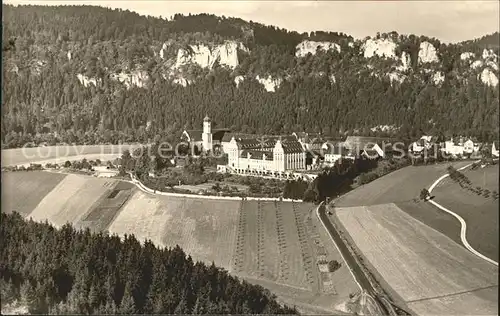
488,77
182,81
476,64
238,80
488,54
379,47
438,78
87,81
138,78
384,128
466,56
12,67
311,47
427,53
37,66
493,65
225,54
269,83
162,50
332,79
396,77
405,62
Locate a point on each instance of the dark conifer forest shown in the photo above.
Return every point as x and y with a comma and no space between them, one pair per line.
77,272
44,101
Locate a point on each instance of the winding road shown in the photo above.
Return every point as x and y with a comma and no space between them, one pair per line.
463,228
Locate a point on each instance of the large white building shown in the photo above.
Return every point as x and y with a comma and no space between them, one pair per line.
268,156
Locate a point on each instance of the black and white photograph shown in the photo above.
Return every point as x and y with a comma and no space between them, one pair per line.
314,157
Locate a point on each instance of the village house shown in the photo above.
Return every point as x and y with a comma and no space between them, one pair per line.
494,149
105,172
333,153
425,142
368,146
461,146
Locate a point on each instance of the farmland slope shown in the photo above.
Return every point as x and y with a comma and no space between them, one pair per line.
22,191
393,243
71,200
399,186
479,212
280,242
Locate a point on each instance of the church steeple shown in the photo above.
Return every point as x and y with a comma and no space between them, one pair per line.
207,134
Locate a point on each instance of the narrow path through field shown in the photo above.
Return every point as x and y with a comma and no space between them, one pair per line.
463,229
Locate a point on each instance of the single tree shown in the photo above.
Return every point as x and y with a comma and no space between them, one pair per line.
424,194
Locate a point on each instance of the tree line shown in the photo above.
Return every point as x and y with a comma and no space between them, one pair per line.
67,271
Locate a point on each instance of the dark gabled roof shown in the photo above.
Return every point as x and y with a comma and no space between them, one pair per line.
194,135
227,137
262,142
250,143
370,152
217,134
292,147
257,154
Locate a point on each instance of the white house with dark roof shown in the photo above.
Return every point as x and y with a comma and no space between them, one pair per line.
336,152
494,149
425,142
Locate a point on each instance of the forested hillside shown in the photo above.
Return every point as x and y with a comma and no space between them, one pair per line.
75,272
91,75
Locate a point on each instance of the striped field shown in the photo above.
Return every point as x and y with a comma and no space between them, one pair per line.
418,263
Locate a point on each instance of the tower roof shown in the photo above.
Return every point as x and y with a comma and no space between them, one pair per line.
206,119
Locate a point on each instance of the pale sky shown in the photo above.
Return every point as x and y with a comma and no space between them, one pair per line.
449,21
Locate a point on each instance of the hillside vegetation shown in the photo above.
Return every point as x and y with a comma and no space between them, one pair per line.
75,272
91,75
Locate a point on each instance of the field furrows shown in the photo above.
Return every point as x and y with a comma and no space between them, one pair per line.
250,258
304,245
293,249
260,240
319,253
282,244
271,248
240,241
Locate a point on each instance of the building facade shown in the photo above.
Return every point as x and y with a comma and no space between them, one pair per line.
207,139
265,156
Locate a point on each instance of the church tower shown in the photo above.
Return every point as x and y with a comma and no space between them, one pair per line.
207,134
